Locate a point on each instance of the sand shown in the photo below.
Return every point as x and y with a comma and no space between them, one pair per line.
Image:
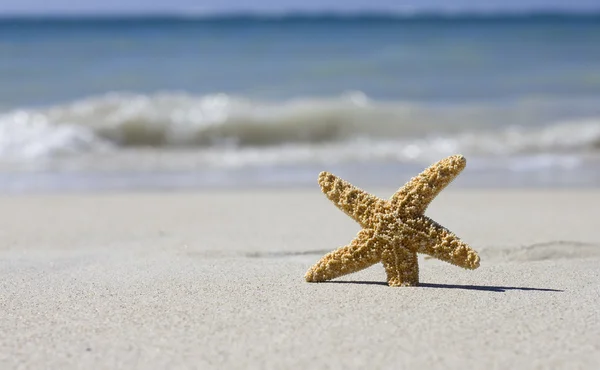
215,280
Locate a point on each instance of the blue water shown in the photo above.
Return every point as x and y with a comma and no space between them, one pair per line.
303,88
45,61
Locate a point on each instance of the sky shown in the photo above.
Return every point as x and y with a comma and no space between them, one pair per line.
210,6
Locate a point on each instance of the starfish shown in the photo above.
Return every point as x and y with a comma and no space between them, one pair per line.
394,230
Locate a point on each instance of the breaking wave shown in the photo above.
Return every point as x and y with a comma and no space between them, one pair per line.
347,128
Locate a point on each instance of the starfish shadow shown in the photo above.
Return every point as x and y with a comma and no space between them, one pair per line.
487,288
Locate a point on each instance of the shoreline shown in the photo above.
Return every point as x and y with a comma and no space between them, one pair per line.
366,175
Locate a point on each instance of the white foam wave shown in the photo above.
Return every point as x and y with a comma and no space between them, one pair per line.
30,135
228,131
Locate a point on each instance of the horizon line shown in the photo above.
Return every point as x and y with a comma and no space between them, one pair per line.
375,13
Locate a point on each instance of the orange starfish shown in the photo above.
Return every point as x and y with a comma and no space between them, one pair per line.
394,230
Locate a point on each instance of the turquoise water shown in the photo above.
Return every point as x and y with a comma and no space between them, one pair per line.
252,98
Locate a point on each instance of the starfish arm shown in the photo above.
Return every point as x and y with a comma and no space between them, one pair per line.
435,240
355,202
361,253
414,197
401,266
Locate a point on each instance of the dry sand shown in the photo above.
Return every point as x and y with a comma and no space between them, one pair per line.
215,280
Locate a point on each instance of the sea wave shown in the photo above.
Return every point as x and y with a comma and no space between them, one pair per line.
223,129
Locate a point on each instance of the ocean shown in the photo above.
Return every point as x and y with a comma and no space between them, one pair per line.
179,102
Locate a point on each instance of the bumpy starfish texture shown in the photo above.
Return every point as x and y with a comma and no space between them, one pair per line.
394,230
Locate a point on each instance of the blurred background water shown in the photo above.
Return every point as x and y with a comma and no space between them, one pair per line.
175,102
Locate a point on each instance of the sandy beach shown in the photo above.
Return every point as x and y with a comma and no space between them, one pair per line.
215,280
159,204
